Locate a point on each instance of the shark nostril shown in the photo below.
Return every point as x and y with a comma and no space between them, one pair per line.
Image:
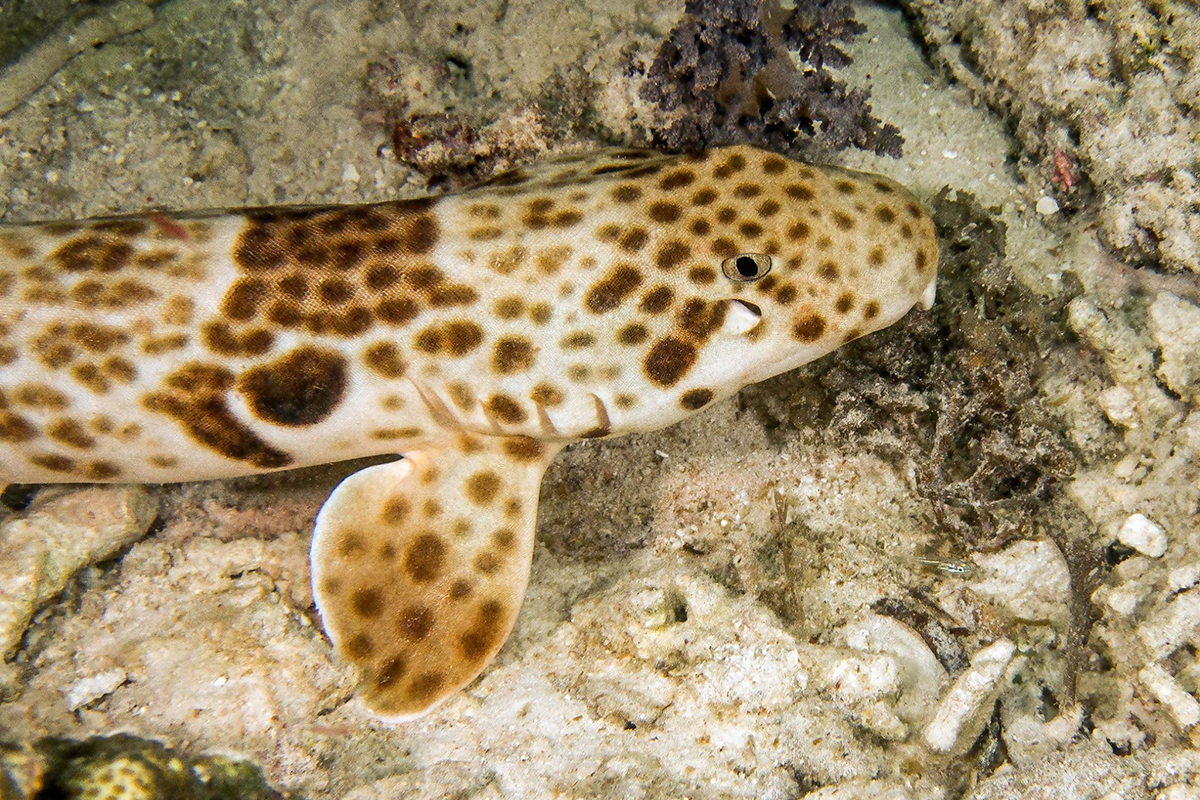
751,307
928,296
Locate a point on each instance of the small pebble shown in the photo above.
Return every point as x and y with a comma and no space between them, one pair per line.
1120,406
1124,599
1047,206
1183,577
92,688
1143,535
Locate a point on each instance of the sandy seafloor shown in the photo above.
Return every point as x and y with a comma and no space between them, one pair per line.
654,656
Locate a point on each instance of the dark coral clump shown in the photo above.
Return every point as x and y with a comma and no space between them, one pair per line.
725,76
452,151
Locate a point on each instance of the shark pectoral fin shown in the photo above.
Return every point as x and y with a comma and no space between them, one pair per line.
419,566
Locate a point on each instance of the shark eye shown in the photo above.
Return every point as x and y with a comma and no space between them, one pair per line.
747,267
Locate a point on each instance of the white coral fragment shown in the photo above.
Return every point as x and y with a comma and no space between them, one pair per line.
1182,707
965,709
921,676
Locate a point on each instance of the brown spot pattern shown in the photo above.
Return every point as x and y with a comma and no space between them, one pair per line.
696,399
102,252
546,395
632,334
512,354
481,487
384,359
194,396
809,328
424,558
671,254
454,338
15,428
610,292
657,300
367,602
668,361
333,272
416,623
506,409
298,389
523,448
664,212
626,193
486,631
396,510
71,433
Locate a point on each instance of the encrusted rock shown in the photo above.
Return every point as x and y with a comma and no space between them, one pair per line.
1176,327
60,533
1029,579
125,767
1096,93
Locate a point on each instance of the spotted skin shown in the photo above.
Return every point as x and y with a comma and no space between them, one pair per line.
425,561
475,333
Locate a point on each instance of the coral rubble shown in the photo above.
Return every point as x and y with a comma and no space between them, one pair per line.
1100,95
